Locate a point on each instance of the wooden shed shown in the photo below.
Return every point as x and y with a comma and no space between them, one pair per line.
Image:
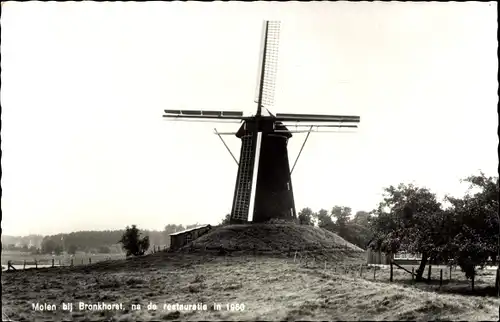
181,238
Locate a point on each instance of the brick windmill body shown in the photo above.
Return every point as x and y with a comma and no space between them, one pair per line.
263,188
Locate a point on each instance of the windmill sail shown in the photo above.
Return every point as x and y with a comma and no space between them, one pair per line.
248,173
288,117
268,64
201,114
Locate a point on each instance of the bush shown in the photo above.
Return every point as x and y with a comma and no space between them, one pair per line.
132,243
226,220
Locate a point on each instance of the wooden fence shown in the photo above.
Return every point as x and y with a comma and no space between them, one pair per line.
378,257
445,274
67,262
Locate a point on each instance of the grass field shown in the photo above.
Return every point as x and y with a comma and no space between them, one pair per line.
246,272
270,288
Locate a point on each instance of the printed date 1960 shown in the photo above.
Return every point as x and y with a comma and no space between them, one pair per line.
238,307
235,306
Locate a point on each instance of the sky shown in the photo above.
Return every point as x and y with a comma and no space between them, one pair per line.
84,86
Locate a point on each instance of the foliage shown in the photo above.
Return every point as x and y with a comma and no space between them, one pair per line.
339,221
362,218
132,243
72,249
48,246
474,225
324,220
411,219
89,241
466,234
58,250
226,220
305,217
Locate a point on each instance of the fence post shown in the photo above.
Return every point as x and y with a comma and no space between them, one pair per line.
497,280
429,274
440,278
90,260
450,272
52,262
24,265
412,275
374,270
473,277
390,279
36,264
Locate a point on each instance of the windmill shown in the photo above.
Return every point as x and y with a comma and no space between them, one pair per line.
263,188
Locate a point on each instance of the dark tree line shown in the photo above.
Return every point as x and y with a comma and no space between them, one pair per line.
355,229
107,241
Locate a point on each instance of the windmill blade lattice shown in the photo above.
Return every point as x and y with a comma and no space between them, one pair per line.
269,63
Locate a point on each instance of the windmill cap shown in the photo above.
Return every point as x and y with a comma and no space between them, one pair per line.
265,125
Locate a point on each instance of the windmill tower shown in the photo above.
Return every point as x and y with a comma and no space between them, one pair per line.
263,188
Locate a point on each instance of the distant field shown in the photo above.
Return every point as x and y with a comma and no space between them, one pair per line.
18,258
270,288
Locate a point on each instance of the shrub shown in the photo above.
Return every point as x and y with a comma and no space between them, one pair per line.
132,243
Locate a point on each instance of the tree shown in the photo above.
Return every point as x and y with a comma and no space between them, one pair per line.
226,220
48,246
324,220
58,250
132,243
410,218
72,249
172,228
306,217
342,218
341,214
362,218
474,225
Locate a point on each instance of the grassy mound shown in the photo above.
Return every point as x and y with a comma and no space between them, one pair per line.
273,238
